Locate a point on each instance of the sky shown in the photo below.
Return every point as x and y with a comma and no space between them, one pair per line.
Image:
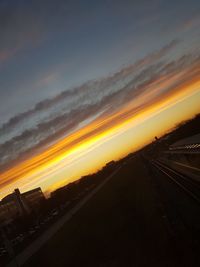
86,82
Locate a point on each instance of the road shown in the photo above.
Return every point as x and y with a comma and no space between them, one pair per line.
51,231
124,224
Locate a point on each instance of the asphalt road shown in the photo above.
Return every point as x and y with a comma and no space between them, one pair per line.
123,224
22,258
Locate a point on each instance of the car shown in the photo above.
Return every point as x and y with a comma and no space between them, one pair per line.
15,241
54,213
31,231
20,238
2,251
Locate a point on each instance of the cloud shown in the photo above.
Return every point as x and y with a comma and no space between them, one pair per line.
189,23
19,30
47,79
92,91
6,54
140,84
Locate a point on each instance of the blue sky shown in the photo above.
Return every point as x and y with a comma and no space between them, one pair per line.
79,77
49,46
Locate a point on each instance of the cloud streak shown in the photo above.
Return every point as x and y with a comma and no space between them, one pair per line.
138,85
67,111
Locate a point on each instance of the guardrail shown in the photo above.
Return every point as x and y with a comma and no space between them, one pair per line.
190,186
185,149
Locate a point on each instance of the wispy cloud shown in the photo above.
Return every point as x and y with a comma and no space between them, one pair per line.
18,30
189,23
140,84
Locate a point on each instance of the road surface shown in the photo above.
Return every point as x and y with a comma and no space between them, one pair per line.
123,224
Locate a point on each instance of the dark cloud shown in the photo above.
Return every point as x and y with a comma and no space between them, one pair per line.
92,37
139,83
93,90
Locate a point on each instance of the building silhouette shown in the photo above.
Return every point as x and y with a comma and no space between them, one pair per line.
20,204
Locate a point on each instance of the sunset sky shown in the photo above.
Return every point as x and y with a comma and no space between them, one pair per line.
86,82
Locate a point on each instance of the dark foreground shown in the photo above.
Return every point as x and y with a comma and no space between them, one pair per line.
124,224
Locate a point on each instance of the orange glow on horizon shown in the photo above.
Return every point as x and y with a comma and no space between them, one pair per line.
76,145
